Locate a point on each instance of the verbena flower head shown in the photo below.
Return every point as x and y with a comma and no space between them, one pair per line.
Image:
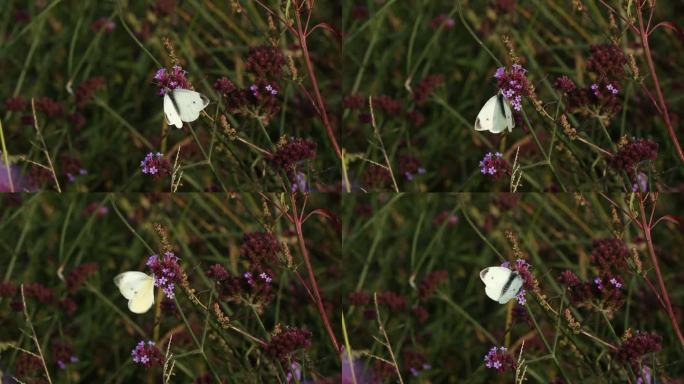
78,275
499,359
171,79
609,255
166,272
410,166
415,362
63,354
607,60
147,354
494,165
265,61
285,341
291,152
630,155
513,84
261,248
634,349
155,164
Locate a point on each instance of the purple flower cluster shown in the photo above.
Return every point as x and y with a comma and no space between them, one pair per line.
166,272
409,166
154,164
610,87
175,78
494,165
287,340
523,268
499,359
288,154
63,354
147,354
635,347
513,84
633,153
269,89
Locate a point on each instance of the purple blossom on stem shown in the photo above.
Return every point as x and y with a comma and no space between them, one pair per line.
521,297
599,283
494,165
166,272
612,89
616,282
147,354
265,277
175,78
499,359
595,89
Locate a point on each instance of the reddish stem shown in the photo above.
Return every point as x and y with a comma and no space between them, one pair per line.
646,227
301,35
312,277
643,33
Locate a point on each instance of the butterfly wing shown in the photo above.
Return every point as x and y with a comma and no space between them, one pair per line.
496,279
142,301
189,103
171,112
485,119
508,114
512,289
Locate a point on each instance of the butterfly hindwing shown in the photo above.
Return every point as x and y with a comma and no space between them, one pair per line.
171,112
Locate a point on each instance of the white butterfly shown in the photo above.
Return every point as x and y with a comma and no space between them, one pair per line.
138,288
183,105
501,284
495,116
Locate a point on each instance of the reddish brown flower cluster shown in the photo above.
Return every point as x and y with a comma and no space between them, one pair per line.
359,298
49,107
8,289
78,275
354,101
391,106
415,117
255,284
393,301
420,313
265,62
383,370
38,291
71,167
287,155
430,283
410,166
376,176
609,255
565,84
634,348
68,306
607,60
86,89
425,87
285,341
630,155
224,86
413,362
27,366
62,354
16,104
218,272
261,248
